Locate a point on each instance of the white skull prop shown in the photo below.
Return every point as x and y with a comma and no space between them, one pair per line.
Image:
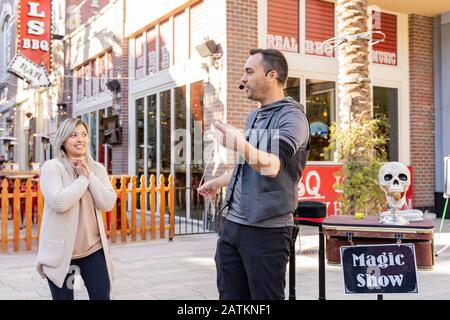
395,179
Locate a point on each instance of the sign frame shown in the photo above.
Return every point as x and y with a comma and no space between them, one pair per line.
387,262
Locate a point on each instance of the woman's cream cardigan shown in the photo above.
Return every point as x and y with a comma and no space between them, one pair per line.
62,193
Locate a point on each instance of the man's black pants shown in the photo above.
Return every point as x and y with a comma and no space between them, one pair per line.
251,262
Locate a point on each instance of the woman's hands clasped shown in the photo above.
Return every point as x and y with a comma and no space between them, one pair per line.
80,166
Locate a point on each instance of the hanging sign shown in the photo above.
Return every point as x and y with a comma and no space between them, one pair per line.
33,61
28,71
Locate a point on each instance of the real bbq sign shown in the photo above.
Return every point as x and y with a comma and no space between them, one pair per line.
32,62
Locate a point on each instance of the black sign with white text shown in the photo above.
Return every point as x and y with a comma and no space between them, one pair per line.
379,269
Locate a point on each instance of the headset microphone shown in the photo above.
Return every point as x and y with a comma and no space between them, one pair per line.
241,87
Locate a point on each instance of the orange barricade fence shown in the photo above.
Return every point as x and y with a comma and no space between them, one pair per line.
140,211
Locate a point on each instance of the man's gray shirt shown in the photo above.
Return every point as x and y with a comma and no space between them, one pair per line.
293,131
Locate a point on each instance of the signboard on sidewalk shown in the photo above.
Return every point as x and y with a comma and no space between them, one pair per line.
379,269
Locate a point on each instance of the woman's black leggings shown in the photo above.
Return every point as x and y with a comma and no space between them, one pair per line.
94,272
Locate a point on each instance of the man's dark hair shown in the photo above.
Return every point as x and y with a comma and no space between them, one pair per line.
273,59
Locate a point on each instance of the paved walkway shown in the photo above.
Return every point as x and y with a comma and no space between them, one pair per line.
184,269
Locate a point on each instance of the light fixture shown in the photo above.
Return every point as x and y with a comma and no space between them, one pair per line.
207,48
113,85
211,49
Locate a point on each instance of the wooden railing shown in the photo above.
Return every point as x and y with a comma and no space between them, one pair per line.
22,206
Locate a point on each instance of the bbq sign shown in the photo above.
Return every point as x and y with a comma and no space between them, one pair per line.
32,62
379,269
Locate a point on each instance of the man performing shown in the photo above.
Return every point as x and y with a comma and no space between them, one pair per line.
253,250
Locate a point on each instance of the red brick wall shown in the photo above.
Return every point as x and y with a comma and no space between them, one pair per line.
422,108
242,35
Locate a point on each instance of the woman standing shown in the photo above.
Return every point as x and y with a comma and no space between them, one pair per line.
72,238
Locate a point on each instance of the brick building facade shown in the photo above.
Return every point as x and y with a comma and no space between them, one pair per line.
166,85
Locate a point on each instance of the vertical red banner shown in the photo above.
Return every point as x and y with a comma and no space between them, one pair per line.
319,27
283,25
34,32
385,52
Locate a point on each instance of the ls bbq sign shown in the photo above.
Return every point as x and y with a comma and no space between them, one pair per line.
379,269
33,62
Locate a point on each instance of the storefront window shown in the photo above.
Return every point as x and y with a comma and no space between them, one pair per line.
5,48
320,109
104,150
292,88
93,133
385,104
197,130
102,73
165,131
180,138
85,118
95,77
151,51
87,80
101,136
165,31
187,162
180,39
139,138
151,135
80,84
139,54
110,68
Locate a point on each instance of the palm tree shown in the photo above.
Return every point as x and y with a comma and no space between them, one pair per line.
353,56
356,136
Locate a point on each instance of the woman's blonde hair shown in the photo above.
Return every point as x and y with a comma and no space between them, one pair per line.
64,131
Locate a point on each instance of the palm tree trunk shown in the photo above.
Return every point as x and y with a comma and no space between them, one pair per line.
353,55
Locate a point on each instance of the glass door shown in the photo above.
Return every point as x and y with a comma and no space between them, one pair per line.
320,109
180,152
196,164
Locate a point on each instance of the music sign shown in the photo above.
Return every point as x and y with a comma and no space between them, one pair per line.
379,269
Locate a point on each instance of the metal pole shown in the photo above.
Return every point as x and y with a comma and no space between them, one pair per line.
440,229
292,265
321,264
